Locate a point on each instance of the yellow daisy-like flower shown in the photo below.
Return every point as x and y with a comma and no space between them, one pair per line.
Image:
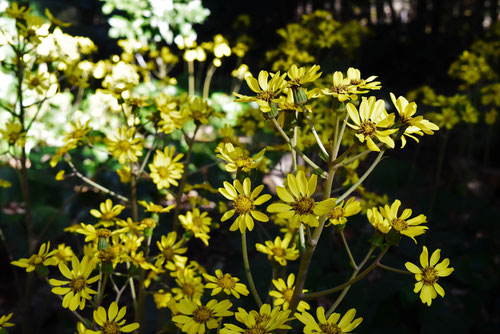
14,133
332,325
165,169
63,254
225,282
4,321
429,274
93,234
354,77
169,248
267,90
378,221
138,259
238,158
369,122
341,88
413,125
189,286
5,183
284,292
300,207
265,321
108,212
163,299
198,319
43,258
152,207
401,224
76,291
77,133
16,12
124,146
197,223
112,322
278,250
301,75
244,202
337,215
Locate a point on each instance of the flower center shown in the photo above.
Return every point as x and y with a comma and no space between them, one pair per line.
278,251
163,171
123,145
226,282
338,89
287,295
77,284
336,212
260,318
110,327
357,81
304,206
197,222
257,329
36,259
243,204
429,276
202,314
106,255
265,95
330,329
188,289
368,129
168,253
244,162
399,224
103,233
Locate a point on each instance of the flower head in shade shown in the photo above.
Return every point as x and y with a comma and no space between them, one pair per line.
279,250
428,275
112,322
284,292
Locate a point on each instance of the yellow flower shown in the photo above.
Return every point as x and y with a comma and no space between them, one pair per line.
54,20
401,224
330,325
225,282
151,207
163,299
237,158
369,121
112,322
130,226
337,215
278,250
341,88
413,125
139,260
300,207
378,221
265,321
244,202
165,169
125,174
16,12
5,183
91,233
198,319
169,249
4,319
301,75
14,133
109,212
267,91
354,77
284,292
429,274
189,286
197,223
124,146
43,258
76,291
77,133
63,254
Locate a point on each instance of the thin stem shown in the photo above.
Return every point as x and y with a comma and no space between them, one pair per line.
180,191
361,179
341,134
346,289
191,77
94,184
208,79
346,245
102,287
313,129
404,272
246,264
316,168
353,158
294,143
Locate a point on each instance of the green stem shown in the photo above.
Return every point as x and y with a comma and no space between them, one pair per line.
208,79
404,272
346,245
101,289
313,129
248,273
316,168
191,77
